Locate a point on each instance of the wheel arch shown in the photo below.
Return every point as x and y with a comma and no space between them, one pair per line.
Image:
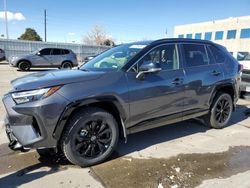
225,88
110,104
19,61
68,61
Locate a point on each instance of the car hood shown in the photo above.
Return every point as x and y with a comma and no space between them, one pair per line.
52,78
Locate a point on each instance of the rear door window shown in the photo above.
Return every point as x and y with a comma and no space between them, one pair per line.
195,55
56,52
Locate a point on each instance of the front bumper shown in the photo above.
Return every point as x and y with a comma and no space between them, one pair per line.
31,125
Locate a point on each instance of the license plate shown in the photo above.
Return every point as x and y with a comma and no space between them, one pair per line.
248,89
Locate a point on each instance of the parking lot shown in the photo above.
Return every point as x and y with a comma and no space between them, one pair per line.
186,154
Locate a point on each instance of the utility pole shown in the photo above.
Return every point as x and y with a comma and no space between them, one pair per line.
6,19
45,25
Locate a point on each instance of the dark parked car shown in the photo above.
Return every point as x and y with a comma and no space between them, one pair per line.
129,88
46,57
2,55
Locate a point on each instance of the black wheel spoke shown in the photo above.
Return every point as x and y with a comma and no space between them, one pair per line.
105,141
103,126
79,146
100,146
93,126
104,132
92,150
87,150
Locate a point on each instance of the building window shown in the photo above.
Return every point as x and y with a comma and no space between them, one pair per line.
189,36
181,36
218,35
208,35
245,33
197,36
231,34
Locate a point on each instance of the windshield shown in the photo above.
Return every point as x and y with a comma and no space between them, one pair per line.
113,59
35,52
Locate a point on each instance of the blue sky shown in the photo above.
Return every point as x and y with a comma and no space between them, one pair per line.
125,21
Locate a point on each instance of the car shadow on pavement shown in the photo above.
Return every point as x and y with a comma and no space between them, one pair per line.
43,167
145,139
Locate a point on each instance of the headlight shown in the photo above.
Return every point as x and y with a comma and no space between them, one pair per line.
33,95
13,58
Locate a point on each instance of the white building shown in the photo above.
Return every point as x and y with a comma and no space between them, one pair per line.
233,33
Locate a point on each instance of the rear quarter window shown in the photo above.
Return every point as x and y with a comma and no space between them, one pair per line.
219,56
64,51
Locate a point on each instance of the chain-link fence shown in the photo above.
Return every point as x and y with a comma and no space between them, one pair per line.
20,47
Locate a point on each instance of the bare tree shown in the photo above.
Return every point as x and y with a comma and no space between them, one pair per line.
97,36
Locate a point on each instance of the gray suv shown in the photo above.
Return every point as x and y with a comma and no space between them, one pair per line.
130,88
46,57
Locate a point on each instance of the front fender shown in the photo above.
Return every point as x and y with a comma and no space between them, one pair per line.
85,102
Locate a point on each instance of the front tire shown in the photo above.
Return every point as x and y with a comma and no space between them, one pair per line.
90,137
221,111
24,66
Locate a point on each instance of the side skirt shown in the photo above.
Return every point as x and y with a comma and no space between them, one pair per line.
162,121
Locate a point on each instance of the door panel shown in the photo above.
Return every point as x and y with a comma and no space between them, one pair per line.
202,75
44,59
158,94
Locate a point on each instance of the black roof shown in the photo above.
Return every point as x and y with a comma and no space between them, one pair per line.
182,40
155,42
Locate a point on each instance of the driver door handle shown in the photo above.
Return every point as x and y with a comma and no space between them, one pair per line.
177,81
216,73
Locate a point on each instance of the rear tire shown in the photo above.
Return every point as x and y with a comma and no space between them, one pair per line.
24,66
90,137
66,65
221,111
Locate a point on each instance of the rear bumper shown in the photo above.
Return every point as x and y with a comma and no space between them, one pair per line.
245,81
244,85
31,125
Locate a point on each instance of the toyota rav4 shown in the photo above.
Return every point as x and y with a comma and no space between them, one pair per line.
130,88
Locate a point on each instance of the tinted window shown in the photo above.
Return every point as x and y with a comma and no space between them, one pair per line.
218,35
165,56
180,36
195,55
231,34
247,57
45,51
241,55
208,36
189,36
217,54
197,36
56,52
65,51
245,33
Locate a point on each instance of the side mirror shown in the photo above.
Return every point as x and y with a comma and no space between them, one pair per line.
38,53
147,68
